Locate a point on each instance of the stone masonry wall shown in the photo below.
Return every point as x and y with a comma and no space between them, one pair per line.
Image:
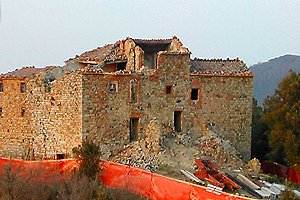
227,108
52,120
13,123
106,114
56,115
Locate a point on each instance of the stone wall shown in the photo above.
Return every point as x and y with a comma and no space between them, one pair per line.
227,108
13,120
223,103
106,114
50,123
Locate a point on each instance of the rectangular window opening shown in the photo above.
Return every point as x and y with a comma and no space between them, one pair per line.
60,156
177,121
22,112
1,87
113,86
194,94
133,129
23,87
1,111
168,89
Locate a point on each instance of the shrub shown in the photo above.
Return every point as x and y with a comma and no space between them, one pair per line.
88,155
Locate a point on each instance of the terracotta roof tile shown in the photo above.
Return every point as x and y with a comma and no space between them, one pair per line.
26,72
162,41
108,52
219,67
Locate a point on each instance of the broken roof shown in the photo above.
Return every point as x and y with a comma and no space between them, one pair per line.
109,52
219,67
153,45
26,72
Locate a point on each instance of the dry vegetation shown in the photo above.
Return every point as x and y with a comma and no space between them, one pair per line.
16,186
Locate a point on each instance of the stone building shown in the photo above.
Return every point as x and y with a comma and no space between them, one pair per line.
131,90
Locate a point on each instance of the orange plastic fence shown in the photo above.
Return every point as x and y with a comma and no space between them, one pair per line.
119,176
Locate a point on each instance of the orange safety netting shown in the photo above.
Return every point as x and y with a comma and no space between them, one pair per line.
123,177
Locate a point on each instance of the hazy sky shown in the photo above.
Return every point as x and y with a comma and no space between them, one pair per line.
40,32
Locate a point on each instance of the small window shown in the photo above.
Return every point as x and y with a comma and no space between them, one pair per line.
22,112
60,156
1,111
194,94
1,86
133,91
23,87
113,86
168,89
177,120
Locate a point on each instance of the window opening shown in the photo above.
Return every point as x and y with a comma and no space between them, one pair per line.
168,89
133,91
1,111
22,112
113,86
121,66
133,129
60,156
177,120
1,86
23,87
194,94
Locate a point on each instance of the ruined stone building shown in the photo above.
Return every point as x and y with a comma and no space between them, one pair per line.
116,94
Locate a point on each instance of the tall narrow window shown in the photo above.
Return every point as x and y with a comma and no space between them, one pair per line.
133,91
1,86
22,112
133,128
23,87
177,120
1,111
194,94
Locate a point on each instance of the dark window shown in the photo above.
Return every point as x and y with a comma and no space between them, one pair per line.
133,128
22,112
113,86
23,87
60,156
194,94
121,66
133,91
1,87
1,111
168,89
177,120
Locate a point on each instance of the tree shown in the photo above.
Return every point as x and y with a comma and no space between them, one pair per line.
259,140
282,115
88,155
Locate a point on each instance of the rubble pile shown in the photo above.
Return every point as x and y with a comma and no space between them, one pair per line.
137,154
221,152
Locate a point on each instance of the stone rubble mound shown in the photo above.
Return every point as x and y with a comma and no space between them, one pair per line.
211,147
221,152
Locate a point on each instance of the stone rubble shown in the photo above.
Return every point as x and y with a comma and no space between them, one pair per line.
172,152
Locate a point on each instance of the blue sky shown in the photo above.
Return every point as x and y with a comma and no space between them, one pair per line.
41,33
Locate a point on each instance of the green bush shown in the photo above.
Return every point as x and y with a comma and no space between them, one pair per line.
88,155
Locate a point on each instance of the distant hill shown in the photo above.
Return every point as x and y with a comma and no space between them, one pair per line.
267,75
